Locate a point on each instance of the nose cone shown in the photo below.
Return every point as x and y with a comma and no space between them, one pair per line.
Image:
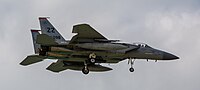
168,56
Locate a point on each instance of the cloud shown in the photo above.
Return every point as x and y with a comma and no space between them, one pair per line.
178,31
171,25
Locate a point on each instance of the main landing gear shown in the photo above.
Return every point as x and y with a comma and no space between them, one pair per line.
91,60
85,69
131,61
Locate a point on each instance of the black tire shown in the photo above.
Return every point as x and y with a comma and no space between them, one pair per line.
92,60
85,71
131,69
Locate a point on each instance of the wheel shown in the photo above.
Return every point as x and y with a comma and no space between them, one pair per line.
85,70
131,69
92,60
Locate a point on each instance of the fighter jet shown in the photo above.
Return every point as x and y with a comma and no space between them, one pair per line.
87,50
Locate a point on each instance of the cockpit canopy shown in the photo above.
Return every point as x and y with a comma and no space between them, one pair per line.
141,45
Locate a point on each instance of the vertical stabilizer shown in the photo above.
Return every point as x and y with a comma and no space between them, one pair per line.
48,29
35,33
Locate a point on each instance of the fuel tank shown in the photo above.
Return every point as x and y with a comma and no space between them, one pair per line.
60,66
94,68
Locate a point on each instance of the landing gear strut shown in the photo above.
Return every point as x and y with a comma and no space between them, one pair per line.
131,61
91,60
85,69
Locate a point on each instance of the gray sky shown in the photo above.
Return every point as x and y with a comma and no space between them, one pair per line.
170,25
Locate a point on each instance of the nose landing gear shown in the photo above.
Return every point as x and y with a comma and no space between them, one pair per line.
131,61
131,69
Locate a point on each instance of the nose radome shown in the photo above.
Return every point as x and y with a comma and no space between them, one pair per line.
168,56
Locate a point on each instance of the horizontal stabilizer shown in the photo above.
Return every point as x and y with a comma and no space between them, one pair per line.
44,39
32,59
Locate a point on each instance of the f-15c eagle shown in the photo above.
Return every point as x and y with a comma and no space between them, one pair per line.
86,50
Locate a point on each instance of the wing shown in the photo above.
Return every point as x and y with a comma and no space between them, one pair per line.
85,33
62,65
57,67
65,64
